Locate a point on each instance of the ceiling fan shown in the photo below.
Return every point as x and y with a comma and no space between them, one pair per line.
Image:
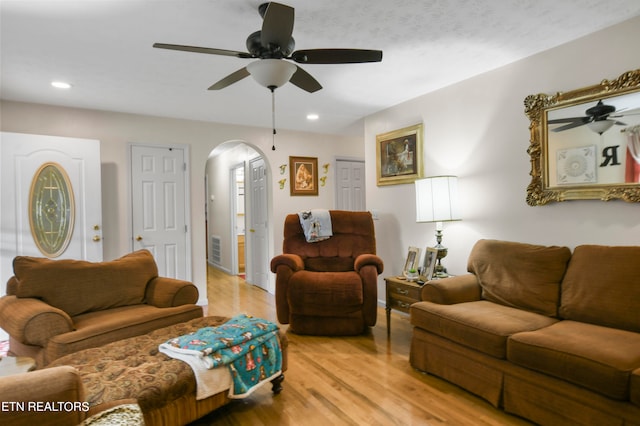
273,47
598,118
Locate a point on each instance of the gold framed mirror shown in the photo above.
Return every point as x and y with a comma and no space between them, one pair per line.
585,144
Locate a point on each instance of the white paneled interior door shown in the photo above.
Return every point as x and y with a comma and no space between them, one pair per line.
350,182
22,156
256,238
160,207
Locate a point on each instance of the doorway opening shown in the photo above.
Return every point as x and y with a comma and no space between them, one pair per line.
236,212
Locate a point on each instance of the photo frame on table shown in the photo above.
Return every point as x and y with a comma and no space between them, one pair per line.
413,258
303,175
429,263
399,156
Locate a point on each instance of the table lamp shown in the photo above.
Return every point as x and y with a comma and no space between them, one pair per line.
437,201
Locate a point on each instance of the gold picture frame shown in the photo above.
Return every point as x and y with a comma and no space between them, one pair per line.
303,175
568,129
399,156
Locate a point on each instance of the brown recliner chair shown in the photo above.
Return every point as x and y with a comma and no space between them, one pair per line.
328,287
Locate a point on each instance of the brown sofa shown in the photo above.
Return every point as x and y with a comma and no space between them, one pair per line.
328,287
56,307
547,334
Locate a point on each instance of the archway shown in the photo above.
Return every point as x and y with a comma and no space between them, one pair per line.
226,219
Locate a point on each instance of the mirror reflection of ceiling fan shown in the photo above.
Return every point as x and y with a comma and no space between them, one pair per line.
598,118
273,47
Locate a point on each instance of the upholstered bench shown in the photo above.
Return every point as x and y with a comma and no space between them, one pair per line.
165,388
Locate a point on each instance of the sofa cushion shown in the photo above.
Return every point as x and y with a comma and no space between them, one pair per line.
598,358
602,286
78,286
101,327
482,325
329,264
325,293
523,276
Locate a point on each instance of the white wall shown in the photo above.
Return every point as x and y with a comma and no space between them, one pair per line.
477,130
115,130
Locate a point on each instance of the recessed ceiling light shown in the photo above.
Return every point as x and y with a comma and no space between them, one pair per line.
312,116
60,85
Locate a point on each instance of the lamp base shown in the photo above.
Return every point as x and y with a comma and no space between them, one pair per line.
439,270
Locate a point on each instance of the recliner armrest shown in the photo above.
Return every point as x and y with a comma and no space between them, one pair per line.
32,321
368,259
165,292
451,290
293,261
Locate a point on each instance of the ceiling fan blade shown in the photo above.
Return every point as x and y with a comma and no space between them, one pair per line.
197,49
305,81
230,79
336,56
571,125
568,120
277,25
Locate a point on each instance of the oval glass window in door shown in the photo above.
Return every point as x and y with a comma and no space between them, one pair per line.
51,209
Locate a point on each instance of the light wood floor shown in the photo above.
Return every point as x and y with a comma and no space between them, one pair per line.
363,380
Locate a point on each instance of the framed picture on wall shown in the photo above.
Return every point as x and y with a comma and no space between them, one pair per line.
399,156
303,175
429,263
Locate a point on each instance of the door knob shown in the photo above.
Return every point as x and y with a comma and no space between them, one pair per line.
139,238
252,230
96,238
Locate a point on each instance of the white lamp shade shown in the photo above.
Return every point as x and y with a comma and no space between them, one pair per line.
271,72
437,199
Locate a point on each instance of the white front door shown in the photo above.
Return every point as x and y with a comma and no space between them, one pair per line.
58,215
160,207
256,238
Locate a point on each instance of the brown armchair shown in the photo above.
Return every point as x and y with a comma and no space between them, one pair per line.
328,287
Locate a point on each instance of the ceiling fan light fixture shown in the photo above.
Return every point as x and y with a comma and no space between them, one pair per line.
271,73
600,126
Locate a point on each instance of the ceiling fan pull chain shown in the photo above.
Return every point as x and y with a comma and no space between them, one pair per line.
273,117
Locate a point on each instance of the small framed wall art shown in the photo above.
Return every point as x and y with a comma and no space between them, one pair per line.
303,175
399,156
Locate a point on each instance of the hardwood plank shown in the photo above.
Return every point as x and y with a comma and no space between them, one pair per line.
360,380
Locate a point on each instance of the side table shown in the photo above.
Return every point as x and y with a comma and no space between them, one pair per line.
401,294
10,365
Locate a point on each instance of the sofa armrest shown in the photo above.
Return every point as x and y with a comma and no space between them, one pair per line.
165,292
293,261
32,321
447,291
368,259
61,385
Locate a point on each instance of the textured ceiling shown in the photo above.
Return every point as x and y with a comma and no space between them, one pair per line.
103,48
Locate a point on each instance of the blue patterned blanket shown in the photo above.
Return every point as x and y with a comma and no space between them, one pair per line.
248,346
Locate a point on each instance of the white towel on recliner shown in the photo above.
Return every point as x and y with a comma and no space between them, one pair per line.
316,224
